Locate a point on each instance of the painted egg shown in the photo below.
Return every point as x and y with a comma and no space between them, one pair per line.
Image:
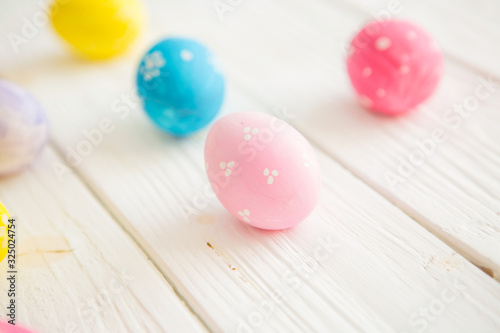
9,328
23,128
393,66
98,28
4,222
262,170
181,85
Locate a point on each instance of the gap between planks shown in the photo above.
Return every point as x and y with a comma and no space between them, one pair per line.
366,180
122,222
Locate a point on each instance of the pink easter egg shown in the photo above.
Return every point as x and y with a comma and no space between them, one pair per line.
8,328
393,66
263,171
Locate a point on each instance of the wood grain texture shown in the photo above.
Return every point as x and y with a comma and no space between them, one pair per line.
77,270
455,191
358,263
292,58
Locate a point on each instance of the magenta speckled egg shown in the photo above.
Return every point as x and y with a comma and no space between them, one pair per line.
393,66
23,128
262,170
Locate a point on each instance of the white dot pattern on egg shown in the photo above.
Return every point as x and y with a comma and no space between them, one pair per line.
393,66
262,170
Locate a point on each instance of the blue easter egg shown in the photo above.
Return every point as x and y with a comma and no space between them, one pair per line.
180,85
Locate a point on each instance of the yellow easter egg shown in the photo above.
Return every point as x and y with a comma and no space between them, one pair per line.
4,222
98,28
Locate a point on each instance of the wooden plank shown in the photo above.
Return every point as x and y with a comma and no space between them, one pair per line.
77,270
459,202
358,263
293,60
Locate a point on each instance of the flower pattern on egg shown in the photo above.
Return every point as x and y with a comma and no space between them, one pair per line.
152,64
270,175
245,215
227,167
249,132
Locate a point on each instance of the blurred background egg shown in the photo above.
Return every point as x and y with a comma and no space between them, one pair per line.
393,66
23,128
262,170
8,328
98,28
181,85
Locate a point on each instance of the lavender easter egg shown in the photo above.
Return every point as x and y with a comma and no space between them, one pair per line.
262,170
393,66
23,128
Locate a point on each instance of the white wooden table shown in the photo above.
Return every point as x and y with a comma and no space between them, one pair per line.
131,240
